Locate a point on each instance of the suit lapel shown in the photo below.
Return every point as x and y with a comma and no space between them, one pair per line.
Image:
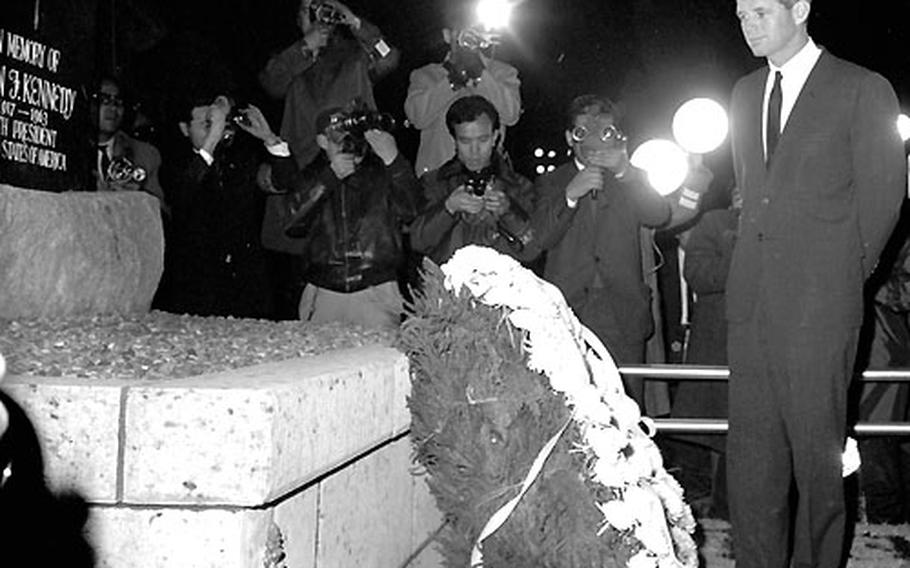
753,150
805,106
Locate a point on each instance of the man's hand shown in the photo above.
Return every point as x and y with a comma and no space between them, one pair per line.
700,177
350,19
343,165
258,126
495,201
383,144
461,200
317,38
614,159
592,177
217,119
264,178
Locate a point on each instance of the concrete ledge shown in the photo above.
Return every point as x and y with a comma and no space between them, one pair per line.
193,472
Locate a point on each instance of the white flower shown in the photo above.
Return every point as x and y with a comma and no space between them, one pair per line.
579,366
618,514
643,559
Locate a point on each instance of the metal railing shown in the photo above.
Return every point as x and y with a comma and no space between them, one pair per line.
719,426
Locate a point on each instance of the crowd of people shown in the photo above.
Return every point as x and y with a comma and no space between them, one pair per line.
328,211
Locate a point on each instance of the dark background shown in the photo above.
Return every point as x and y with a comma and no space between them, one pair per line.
650,55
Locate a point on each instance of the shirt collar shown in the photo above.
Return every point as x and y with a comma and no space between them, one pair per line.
801,64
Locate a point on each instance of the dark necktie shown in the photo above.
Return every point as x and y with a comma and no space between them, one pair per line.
773,129
104,161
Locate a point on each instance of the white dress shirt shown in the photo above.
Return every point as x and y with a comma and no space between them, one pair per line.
794,72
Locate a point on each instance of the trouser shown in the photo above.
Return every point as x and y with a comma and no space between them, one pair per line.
788,414
376,306
626,348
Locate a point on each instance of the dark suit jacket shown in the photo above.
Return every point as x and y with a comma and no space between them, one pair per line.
142,154
815,220
599,241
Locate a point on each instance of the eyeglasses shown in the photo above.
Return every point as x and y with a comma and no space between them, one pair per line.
108,99
609,134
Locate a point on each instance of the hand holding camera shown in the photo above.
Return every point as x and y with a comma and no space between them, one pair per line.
464,200
252,121
496,201
383,145
464,67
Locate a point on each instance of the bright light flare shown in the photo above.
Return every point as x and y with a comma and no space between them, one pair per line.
903,126
666,164
494,14
700,125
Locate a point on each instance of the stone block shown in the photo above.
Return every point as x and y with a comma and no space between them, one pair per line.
77,422
365,511
297,519
72,253
248,436
164,538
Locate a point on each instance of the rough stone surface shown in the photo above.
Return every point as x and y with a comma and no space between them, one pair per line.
247,436
63,254
78,424
297,518
365,509
161,537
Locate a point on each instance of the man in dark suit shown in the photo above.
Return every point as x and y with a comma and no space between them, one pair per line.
588,219
820,165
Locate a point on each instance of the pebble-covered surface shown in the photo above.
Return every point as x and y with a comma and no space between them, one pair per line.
162,345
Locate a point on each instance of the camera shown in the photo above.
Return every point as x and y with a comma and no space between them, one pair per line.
236,116
350,127
474,39
123,169
478,182
327,14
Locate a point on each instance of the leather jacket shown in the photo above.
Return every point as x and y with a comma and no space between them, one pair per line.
352,227
438,233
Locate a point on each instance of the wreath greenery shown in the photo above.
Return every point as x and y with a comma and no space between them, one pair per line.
480,416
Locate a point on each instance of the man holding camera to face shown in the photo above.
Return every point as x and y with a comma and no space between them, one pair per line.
588,219
336,60
468,69
475,197
347,209
214,262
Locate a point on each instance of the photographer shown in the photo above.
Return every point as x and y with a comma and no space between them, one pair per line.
214,263
475,197
589,217
347,208
468,69
122,162
336,60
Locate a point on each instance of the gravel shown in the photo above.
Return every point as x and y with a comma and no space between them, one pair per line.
161,345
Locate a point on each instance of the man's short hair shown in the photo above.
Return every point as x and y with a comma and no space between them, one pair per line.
469,109
590,104
181,106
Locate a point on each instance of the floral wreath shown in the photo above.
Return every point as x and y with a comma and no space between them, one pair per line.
638,500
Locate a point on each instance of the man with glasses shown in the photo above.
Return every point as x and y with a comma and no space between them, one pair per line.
588,220
122,163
